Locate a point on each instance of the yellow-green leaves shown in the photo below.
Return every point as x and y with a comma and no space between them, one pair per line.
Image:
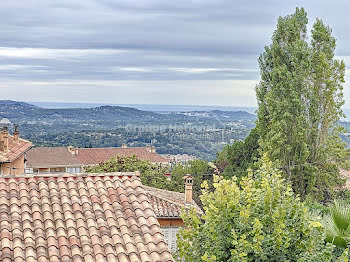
257,219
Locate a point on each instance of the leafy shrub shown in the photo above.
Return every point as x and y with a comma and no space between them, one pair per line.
257,219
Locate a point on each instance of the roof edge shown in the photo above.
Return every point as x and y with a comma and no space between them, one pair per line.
52,166
72,175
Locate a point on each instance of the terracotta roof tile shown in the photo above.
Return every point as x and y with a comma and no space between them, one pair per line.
94,217
167,203
94,156
15,149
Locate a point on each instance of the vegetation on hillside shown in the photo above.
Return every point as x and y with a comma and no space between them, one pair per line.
198,133
237,158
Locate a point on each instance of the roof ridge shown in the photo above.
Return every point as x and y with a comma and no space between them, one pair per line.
161,189
20,138
165,199
149,191
136,173
89,148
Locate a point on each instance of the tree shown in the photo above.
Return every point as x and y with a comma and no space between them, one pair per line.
200,170
299,104
151,174
257,219
240,156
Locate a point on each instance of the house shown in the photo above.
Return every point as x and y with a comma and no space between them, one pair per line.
13,150
73,160
52,160
79,217
345,175
179,159
95,156
168,206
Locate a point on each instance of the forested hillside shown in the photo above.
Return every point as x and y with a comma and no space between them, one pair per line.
199,133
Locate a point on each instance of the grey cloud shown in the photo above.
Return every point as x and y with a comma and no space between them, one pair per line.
153,40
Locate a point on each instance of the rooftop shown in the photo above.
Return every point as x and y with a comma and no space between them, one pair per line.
15,149
94,156
85,217
168,204
50,156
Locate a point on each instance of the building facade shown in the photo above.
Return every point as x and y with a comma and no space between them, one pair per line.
52,160
13,151
75,160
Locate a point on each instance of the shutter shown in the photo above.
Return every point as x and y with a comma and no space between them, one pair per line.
170,235
173,246
166,234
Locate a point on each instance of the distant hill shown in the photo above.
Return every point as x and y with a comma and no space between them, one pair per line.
147,107
109,116
200,133
20,112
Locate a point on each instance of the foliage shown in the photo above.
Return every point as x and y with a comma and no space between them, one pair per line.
200,170
316,208
200,134
299,104
337,224
151,175
257,219
240,156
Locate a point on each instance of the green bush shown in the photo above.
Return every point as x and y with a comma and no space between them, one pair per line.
257,219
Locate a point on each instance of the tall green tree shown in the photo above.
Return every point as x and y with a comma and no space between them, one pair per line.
299,104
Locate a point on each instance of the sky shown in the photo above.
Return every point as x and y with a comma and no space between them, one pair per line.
192,52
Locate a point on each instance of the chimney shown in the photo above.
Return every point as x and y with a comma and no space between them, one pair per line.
188,189
153,149
72,150
149,149
124,146
16,134
5,139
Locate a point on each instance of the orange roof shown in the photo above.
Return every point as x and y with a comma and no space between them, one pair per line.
95,156
15,149
168,204
91,217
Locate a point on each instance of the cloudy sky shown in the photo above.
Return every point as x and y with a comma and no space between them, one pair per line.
192,52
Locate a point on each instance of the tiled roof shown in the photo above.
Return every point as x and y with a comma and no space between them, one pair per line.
91,217
94,156
51,156
16,149
168,204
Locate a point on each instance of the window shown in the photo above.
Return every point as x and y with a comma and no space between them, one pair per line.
73,170
170,235
29,171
